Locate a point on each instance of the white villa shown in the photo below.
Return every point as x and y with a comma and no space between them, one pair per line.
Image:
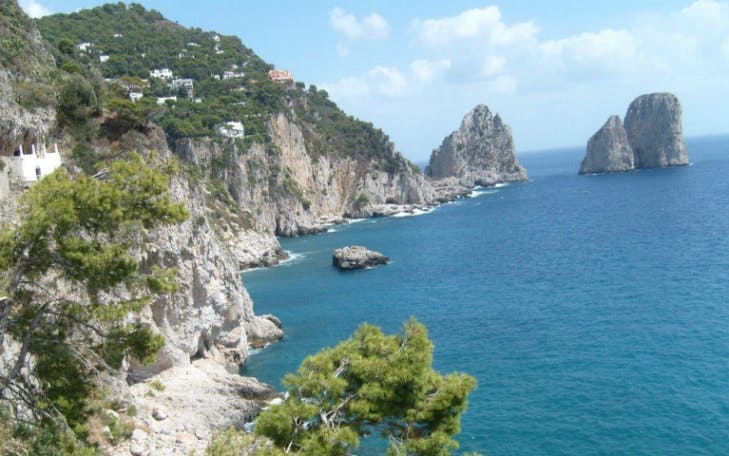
188,84
232,130
32,165
163,100
232,75
163,73
134,96
103,58
84,46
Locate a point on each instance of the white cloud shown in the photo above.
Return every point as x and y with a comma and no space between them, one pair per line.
371,27
475,56
426,70
484,25
381,81
34,9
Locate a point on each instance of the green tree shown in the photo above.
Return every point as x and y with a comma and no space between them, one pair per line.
371,382
77,102
69,285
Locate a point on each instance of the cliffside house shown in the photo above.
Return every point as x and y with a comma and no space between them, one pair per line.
280,76
187,84
134,96
103,58
232,75
232,130
84,47
162,73
163,100
31,165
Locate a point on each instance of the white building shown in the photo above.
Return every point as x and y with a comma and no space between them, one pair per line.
134,96
186,83
32,166
232,130
163,73
232,75
163,100
103,58
84,46
117,35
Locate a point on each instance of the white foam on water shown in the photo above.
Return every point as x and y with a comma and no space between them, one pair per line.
478,191
502,184
293,258
414,212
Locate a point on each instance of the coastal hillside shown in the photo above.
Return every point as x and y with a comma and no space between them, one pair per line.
282,153
50,99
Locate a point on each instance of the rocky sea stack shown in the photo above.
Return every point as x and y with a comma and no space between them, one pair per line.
653,126
357,257
480,152
608,150
650,137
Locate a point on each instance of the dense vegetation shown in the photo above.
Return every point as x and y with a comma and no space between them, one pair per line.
68,284
28,68
137,41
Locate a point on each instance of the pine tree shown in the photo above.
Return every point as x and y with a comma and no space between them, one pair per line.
69,284
371,382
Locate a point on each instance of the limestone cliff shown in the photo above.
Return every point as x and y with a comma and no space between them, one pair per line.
27,93
653,126
285,187
480,152
608,150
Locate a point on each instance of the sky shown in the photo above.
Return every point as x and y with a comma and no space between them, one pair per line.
554,71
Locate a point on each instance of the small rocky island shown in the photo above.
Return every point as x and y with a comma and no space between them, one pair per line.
357,257
480,152
650,137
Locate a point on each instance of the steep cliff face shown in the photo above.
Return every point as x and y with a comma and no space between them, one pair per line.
480,152
608,150
650,137
286,187
653,126
27,94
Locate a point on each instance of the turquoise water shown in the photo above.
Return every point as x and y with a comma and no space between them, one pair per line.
594,310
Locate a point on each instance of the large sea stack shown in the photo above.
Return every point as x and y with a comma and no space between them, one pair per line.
608,150
480,152
650,137
653,126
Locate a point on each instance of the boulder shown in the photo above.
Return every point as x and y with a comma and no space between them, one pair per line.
357,257
608,150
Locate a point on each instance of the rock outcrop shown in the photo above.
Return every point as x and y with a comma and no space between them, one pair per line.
650,137
357,257
653,126
480,152
180,410
608,150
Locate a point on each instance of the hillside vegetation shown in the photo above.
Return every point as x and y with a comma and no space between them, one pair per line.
135,41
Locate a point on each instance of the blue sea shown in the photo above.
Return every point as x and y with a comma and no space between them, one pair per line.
593,310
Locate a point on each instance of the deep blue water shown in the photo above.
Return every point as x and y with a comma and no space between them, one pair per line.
593,310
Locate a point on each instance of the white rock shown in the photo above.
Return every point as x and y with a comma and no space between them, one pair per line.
159,413
137,450
139,435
